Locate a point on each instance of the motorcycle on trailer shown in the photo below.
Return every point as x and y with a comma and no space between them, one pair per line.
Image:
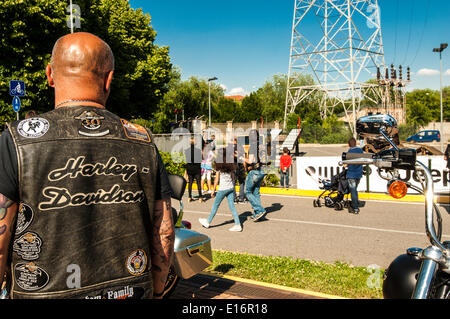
419,273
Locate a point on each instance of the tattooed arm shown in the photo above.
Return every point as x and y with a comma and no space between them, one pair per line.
162,244
8,211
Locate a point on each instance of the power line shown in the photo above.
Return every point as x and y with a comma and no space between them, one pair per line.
410,31
423,32
396,30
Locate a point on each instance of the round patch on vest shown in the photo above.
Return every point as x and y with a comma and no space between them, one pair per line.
33,128
28,246
30,277
24,218
136,262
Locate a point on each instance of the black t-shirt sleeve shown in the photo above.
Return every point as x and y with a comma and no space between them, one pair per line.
9,177
163,189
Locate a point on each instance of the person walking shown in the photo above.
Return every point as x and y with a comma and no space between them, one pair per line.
354,175
193,156
447,157
285,164
85,208
206,167
255,177
224,179
239,178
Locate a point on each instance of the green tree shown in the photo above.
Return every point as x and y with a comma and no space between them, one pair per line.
30,28
251,108
422,107
225,110
190,96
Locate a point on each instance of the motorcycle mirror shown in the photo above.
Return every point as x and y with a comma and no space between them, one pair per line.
178,185
397,189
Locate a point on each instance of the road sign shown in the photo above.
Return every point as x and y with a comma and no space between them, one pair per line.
16,104
17,88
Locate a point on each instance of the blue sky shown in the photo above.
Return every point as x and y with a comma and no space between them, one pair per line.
243,43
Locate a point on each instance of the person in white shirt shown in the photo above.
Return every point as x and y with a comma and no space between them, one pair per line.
224,178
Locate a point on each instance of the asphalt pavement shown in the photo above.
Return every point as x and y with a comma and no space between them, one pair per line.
293,227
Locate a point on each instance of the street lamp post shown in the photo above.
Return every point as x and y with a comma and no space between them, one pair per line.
209,97
440,50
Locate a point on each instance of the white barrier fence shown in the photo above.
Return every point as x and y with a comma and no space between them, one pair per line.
311,169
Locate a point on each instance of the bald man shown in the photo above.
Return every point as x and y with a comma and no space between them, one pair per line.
84,196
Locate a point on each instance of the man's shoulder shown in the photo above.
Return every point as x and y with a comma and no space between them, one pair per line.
355,149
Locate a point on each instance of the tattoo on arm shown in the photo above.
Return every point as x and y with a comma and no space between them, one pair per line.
2,229
5,203
163,237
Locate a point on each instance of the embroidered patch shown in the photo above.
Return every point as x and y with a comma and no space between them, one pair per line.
99,134
91,121
136,262
126,292
59,198
135,132
76,166
28,246
33,128
24,218
30,277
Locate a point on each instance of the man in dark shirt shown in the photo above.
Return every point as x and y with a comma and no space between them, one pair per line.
193,156
354,175
81,72
447,156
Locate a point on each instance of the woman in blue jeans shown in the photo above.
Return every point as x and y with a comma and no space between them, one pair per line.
225,179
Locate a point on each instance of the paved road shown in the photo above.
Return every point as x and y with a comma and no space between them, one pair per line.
294,228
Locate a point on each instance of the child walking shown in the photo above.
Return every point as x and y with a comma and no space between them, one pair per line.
208,158
285,164
224,178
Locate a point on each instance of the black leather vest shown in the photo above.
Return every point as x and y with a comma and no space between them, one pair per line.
86,185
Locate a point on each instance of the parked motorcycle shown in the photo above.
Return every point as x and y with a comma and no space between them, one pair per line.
192,250
420,273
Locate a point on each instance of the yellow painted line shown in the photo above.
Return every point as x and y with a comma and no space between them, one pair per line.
274,286
441,199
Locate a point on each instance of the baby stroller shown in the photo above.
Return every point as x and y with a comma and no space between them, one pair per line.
334,192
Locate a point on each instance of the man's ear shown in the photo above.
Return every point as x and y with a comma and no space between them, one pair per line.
108,80
48,71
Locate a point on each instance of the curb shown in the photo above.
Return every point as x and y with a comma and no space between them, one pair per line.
439,199
274,286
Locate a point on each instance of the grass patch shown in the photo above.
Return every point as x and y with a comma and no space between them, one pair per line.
339,279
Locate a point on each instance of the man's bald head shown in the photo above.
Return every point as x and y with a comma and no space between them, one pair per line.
81,68
81,54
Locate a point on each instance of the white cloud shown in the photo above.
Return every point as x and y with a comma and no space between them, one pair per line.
224,87
427,72
238,91
447,73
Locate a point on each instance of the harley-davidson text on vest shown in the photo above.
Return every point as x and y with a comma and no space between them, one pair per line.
86,185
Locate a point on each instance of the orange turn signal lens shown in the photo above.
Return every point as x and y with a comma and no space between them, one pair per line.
398,189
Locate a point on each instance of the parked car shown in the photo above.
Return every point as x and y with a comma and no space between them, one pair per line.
425,136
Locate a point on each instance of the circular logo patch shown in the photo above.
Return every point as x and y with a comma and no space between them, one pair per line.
33,128
136,262
24,218
30,277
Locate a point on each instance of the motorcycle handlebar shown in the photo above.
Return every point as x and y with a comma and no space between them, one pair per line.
405,161
353,156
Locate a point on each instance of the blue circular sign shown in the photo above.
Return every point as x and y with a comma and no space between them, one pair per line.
16,104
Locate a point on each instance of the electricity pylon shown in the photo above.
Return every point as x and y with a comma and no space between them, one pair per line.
339,44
